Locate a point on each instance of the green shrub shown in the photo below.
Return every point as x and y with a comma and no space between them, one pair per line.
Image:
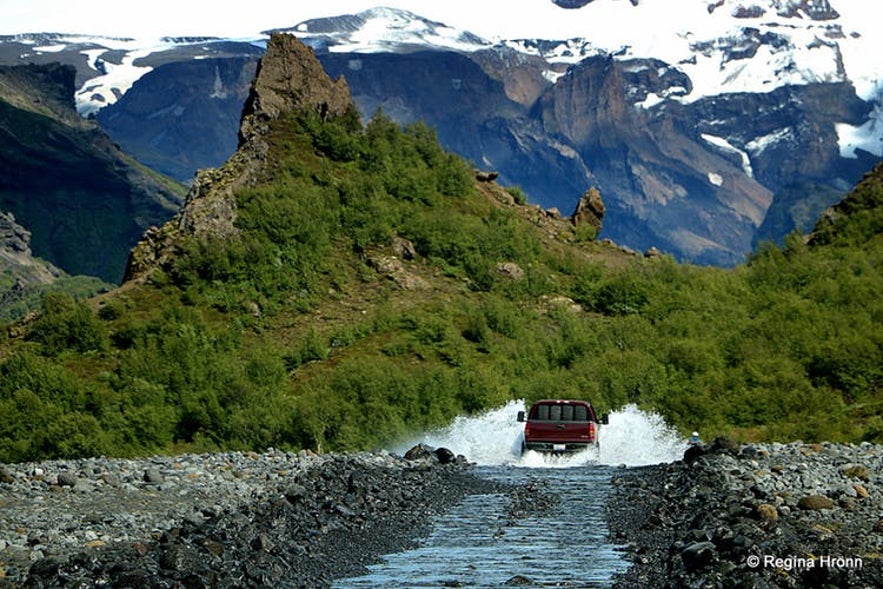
67,325
517,194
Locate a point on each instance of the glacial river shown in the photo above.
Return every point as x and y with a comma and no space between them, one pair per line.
563,544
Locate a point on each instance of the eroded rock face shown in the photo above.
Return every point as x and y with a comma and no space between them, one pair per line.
590,209
668,188
289,79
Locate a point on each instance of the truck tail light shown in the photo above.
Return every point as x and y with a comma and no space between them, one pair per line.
592,430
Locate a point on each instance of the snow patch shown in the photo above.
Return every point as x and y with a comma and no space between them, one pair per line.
651,100
105,89
760,144
867,137
715,179
51,48
727,147
552,76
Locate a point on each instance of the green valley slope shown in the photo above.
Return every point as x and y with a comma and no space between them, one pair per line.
339,286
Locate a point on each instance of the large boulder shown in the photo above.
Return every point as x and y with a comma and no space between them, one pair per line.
425,452
590,210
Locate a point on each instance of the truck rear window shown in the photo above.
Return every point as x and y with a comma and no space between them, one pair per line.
560,412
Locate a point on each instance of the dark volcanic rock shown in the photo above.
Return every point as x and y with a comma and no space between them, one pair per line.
327,518
761,516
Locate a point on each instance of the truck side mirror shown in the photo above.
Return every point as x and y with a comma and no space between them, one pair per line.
605,419
521,416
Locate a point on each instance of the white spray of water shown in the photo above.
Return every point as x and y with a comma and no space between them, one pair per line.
632,438
637,438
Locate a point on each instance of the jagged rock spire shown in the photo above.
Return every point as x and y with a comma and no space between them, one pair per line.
291,79
590,209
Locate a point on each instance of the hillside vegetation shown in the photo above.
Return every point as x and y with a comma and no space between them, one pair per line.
374,289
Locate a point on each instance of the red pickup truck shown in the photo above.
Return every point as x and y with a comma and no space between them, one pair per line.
557,425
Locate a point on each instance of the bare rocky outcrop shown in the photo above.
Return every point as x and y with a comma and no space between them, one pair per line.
590,209
16,256
289,80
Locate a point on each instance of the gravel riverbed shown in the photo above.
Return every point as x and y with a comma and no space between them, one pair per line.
274,519
773,515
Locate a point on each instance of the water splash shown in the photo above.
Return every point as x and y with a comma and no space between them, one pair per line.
632,438
637,438
491,438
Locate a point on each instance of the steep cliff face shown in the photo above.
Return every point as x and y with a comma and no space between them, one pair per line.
289,80
665,187
17,260
83,201
184,116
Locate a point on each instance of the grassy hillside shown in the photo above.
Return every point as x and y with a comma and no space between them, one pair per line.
375,289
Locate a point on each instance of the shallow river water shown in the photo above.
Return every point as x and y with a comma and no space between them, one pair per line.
563,543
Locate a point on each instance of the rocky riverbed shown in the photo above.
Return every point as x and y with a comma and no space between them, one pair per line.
777,515
274,519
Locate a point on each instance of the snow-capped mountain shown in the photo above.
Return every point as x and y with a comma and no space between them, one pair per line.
721,46
701,121
381,30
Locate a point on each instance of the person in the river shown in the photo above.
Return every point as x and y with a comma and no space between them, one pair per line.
695,440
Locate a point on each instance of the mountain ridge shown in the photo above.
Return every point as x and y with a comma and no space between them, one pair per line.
82,200
799,66
286,82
